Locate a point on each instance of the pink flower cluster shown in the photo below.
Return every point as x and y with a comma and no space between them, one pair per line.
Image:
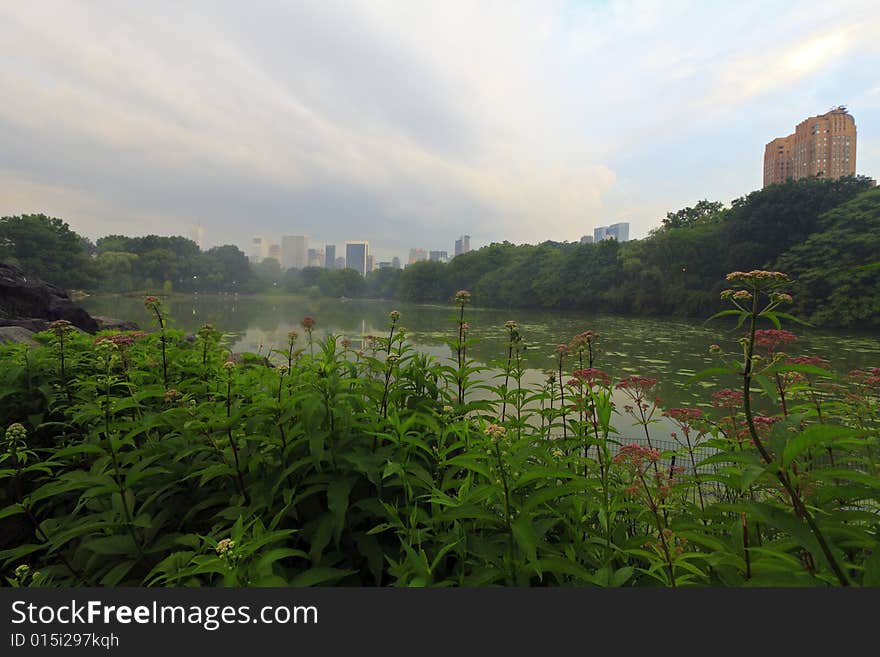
592,376
583,340
636,456
758,277
765,420
771,339
869,377
639,385
727,398
684,415
815,361
121,340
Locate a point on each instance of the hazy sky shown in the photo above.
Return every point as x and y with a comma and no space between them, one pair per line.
408,123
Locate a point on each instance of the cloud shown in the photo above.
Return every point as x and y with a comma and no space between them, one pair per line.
405,123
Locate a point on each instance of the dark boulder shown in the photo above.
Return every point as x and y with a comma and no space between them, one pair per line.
26,297
33,325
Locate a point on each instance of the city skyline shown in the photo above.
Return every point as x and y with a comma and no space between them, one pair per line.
416,121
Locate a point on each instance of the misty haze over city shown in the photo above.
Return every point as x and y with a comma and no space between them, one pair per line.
410,124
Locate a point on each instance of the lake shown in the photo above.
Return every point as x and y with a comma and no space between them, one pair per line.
670,350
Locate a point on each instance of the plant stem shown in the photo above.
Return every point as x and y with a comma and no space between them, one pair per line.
800,509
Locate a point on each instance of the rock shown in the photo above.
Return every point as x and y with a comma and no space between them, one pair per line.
34,325
17,334
24,297
109,323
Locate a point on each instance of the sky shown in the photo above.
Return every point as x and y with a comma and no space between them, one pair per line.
408,123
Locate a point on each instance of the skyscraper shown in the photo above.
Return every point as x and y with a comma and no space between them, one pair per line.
462,245
619,232
356,256
197,234
586,239
339,263
259,249
315,258
369,262
438,256
329,255
294,251
600,233
395,262
823,145
275,252
417,255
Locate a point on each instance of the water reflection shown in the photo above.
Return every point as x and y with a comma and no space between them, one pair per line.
667,349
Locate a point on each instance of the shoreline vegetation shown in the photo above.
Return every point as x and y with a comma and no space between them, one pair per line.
824,233
149,459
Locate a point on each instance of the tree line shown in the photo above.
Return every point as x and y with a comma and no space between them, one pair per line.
824,233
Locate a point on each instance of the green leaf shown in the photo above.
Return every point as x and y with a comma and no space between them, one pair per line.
337,502
711,371
816,435
726,313
320,575
524,534
269,558
872,570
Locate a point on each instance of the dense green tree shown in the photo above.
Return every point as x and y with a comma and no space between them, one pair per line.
690,216
383,283
824,232
269,273
838,280
116,270
423,282
47,247
341,283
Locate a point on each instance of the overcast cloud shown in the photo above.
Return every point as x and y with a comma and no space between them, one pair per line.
408,123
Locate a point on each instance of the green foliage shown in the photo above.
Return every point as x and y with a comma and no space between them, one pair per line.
823,231
837,285
678,268
46,246
690,216
152,460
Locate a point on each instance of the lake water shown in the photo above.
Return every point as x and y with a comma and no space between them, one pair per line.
670,350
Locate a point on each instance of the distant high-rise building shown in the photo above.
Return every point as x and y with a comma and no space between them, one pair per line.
259,249
395,262
197,234
600,233
329,255
294,251
417,255
369,262
356,256
619,232
339,263
275,252
823,145
385,264
587,239
438,256
462,245
315,258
